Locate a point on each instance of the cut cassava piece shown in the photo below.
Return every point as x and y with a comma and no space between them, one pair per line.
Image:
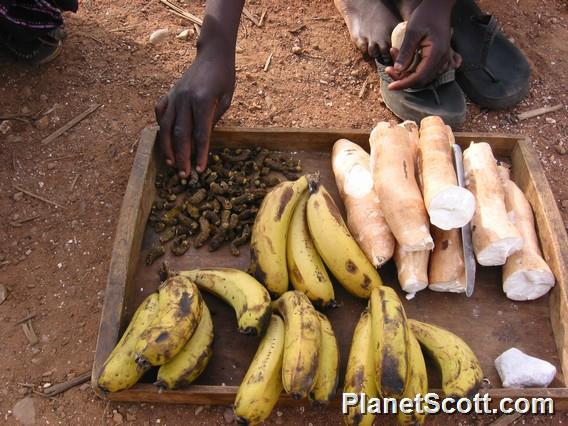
494,237
526,276
449,205
392,168
447,267
412,269
365,220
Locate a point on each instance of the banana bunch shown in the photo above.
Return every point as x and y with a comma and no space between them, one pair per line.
247,296
386,358
297,232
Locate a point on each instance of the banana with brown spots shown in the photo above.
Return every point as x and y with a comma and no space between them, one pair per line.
336,245
269,235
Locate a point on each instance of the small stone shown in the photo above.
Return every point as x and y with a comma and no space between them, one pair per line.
550,120
158,36
42,123
43,97
117,418
565,204
27,91
184,35
296,50
35,361
279,413
84,386
199,409
24,411
560,149
229,416
18,196
51,166
25,110
5,127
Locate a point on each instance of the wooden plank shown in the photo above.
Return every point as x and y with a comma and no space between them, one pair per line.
122,296
529,175
128,239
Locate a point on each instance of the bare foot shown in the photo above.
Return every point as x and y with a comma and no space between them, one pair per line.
370,23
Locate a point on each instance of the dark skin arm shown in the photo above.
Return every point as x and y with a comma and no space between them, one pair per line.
429,30
187,114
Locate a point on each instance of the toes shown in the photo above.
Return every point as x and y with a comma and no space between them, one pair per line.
361,42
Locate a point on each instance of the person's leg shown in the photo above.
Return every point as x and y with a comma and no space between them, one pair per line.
370,24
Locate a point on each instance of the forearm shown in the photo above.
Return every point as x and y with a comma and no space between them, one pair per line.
221,25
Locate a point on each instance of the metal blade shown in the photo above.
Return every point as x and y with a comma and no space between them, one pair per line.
468,257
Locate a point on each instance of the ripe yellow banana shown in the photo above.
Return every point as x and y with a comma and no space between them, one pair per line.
179,312
269,234
417,382
120,370
305,267
190,362
262,385
328,368
247,296
336,245
360,374
302,343
390,341
461,371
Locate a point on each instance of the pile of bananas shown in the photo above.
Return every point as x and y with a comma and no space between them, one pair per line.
298,354
386,358
172,329
299,228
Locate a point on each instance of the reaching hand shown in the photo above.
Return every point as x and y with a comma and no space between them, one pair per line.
428,30
187,114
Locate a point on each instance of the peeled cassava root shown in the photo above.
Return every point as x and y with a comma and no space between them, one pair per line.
494,237
365,220
392,166
412,268
447,267
449,205
526,276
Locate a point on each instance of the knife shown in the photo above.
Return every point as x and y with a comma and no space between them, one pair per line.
468,257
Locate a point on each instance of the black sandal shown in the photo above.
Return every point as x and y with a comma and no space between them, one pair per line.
38,51
494,73
442,97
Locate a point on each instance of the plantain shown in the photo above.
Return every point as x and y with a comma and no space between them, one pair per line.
336,245
179,312
390,339
302,343
328,367
269,235
248,297
193,358
461,371
120,370
360,374
305,267
417,383
262,385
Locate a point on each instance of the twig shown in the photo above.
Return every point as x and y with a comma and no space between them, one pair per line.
24,118
19,223
27,318
321,18
62,387
65,157
25,385
74,182
130,27
43,395
30,333
39,197
307,55
250,16
363,88
297,29
262,16
183,13
538,111
92,37
70,124
267,63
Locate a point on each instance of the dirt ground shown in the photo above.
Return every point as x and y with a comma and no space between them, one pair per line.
55,256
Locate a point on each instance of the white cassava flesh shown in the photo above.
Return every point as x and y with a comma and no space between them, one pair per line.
412,269
392,167
447,267
449,205
365,220
526,276
494,237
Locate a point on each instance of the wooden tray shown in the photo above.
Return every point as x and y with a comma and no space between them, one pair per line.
488,321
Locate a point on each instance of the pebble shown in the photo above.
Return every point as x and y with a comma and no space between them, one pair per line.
565,204
199,409
5,127
560,149
184,35
43,97
42,123
158,36
117,418
51,166
24,411
84,386
550,120
18,196
296,50
229,416
25,110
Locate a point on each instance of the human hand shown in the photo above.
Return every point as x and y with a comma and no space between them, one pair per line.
428,31
187,114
